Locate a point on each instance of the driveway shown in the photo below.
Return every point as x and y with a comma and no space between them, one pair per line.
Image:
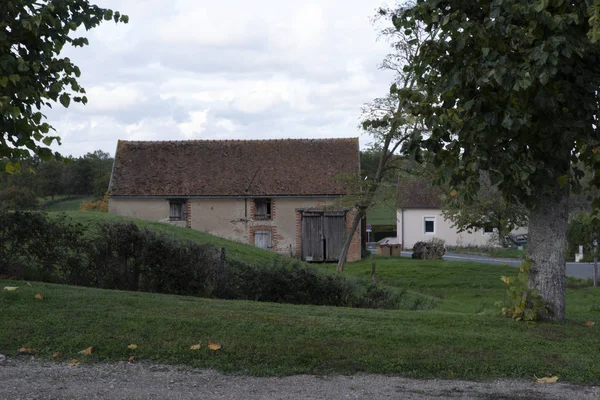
33,379
575,270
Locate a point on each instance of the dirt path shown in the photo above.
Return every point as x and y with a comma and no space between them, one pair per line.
33,379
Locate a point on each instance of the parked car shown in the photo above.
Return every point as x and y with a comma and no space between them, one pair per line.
516,240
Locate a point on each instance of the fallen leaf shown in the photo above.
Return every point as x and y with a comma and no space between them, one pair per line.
589,324
195,347
27,350
214,346
57,355
547,379
39,296
11,288
87,351
29,284
506,279
73,363
131,358
132,346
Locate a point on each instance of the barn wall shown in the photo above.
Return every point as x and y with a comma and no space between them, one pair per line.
233,218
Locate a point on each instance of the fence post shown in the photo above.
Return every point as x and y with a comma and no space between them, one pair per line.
373,272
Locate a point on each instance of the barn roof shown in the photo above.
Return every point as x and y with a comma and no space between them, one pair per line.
418,193
289,167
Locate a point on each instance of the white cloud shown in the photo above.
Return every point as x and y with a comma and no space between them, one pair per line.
196,124
217,70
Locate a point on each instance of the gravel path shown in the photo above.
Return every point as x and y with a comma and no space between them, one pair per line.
24,378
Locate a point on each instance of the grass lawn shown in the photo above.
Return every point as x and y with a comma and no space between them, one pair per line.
494,252
67,205
278,339
461,337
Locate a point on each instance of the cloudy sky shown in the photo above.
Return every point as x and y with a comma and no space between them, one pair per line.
231,69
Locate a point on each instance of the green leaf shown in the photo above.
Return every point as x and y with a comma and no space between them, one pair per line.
4,81
563,181
65,100
11,168
47,140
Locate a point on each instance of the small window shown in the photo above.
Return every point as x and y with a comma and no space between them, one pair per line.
177,210
429,224
262,239
262,209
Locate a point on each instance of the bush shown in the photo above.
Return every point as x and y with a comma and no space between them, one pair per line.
35,247
18,199
433,249
120,255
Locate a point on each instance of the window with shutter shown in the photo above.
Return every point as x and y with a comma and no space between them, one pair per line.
262,208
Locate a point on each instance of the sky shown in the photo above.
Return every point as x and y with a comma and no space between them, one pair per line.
230,69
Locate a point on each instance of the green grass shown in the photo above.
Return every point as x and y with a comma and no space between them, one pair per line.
461,337
67,205
235,250
278,339
493,252
382,214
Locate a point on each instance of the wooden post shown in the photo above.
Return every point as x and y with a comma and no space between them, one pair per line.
223,258
373,272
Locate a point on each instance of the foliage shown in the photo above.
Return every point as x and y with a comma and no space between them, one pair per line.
33,76
433,249
99,205
522,303
14,198
487,111
581,232
35,247
487,209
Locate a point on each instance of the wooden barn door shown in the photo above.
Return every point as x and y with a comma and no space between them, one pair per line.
322,235
335,229
312,236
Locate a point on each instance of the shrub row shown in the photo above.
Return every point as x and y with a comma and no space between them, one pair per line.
120,255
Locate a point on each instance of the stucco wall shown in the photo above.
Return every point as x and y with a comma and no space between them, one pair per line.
414,230
232,218
148,209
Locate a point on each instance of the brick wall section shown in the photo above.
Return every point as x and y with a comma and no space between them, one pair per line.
188,213
354,250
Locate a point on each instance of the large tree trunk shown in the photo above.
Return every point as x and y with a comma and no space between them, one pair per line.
360,213
547,244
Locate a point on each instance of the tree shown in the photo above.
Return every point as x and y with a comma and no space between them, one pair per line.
511,87
486,209
32,76
390,125
51,178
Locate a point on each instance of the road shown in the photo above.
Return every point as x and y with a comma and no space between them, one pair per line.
575,270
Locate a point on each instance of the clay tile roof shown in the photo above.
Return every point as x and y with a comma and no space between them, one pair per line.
301,167
418,193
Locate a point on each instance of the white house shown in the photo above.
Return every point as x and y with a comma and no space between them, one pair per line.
419,218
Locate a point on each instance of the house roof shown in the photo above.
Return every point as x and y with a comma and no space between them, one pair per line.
289,167
418,193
